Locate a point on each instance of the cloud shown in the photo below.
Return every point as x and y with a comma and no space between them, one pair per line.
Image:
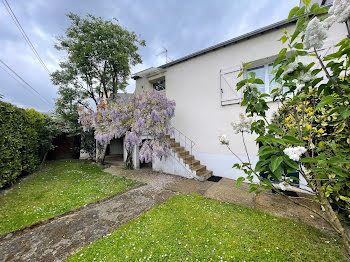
181,27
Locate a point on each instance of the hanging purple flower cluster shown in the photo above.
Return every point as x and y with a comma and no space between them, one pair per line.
147,115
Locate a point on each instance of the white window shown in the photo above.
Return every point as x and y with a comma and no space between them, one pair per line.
264,73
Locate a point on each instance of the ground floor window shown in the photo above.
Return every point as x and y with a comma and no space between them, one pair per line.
264,73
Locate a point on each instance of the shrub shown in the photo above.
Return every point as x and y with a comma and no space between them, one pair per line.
332,139
25,138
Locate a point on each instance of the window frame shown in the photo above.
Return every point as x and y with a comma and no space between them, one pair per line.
266,75
157,82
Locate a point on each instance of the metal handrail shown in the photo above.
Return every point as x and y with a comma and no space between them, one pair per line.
185,140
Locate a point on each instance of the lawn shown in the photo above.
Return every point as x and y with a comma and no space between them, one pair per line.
59,187
192,228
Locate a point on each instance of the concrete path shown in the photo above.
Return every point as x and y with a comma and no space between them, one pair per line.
60,237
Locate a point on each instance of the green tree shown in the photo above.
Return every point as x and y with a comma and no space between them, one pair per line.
99,54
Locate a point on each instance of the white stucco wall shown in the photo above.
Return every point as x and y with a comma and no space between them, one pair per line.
171,165
195,86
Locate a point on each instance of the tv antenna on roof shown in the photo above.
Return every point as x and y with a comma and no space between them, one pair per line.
165,53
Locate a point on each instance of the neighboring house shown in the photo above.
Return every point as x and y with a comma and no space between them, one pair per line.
203,84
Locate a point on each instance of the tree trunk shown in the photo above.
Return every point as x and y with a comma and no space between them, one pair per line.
129,163
333,219
100,152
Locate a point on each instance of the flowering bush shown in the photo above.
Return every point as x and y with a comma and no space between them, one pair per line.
146,115
311,135
329,141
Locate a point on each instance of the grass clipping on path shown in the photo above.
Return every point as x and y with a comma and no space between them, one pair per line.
59,187
193,228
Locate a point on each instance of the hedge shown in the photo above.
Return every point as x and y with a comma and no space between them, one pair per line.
25,137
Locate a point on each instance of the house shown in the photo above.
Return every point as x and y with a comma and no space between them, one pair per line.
203,86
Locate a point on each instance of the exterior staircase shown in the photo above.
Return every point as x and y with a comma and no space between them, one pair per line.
184,154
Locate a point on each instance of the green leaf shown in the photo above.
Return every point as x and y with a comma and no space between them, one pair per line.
275,128
292,140
306,2
340,171
293,11
309,160
278,172
344,198
338,160
282,52
301,11
298,45
344,111
340,128
278,141
265,150
283,39
314,8
240,74
239,181
325,101
275,162
290,163
252,188
278,60
258,81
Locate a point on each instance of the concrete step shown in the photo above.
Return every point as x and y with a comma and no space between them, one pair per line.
192,162
188,158
184,153
205,174
174,144
198,168
179,149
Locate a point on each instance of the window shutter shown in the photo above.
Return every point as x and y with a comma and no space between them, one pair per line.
228,89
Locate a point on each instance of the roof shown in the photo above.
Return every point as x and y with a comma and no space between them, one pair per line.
147,72
229,42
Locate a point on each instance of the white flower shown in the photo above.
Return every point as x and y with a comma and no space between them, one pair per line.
243,125
290,68
299,87
247,85
223,139
341,10
329,21
342,75
294,153
278,90
306,77
314,35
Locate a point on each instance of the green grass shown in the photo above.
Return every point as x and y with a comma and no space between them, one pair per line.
192,228
59,187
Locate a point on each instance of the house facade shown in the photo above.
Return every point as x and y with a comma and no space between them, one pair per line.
203,85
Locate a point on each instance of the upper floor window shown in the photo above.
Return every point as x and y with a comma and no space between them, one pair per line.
264,73
159,85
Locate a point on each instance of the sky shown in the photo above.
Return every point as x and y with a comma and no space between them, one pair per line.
180,26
